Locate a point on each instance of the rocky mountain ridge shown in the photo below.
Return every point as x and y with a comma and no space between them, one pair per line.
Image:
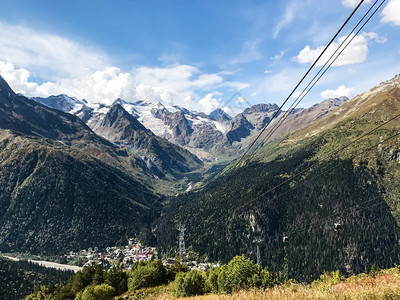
203,135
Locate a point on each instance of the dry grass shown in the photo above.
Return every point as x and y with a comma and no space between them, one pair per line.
385,285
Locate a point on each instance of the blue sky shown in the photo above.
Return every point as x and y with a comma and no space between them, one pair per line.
196,54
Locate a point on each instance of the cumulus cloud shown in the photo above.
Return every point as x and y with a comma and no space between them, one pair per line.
179,85
47,54
339,92
355,53
18,79
391,13
353,3
84,72
209,103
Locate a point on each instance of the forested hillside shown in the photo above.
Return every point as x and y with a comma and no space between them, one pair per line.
300,187
54,199
18,278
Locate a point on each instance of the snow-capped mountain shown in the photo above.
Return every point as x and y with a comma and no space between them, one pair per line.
62,102
195,131
176,124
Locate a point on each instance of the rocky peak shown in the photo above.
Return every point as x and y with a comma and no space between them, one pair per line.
219,115
5,89
261,108
240,128
118,116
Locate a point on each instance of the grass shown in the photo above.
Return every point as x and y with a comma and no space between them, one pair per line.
384,285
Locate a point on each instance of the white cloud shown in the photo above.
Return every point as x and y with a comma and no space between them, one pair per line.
267,71
375,36
85,72
353,3
18,79
355,53
47,54
296,94
209,103
391,13
340,91
180,85
241,99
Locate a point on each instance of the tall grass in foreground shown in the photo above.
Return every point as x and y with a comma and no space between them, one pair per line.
384,284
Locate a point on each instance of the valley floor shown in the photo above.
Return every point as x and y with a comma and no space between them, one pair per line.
384,285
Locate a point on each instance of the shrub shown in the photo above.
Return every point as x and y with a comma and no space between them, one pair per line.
189,284
98,292
118,279
224,286
211,284
149,274
176,268
328,279
240,273
268,279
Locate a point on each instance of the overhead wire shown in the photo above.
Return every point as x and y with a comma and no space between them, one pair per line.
299,83
315,80
324,220
318,162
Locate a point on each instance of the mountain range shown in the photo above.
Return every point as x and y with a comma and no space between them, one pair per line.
207,136
75,174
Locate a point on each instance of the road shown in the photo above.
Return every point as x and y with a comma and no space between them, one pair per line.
49,264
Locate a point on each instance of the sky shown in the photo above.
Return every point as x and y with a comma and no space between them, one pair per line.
197,54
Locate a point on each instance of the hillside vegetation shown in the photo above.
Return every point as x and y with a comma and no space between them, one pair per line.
18,278
301,186
54,198
239,279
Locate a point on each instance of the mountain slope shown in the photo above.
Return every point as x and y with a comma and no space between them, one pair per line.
358,188
64,187
161,156
54,198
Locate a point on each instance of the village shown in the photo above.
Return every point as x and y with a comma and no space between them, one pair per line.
124,256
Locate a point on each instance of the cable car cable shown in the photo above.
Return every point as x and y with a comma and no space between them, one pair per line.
298,84
306,90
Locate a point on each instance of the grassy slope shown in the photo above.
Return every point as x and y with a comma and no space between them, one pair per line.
384,285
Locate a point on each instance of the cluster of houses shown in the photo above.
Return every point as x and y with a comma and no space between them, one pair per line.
123,255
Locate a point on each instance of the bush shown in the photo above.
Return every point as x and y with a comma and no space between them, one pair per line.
328,279
176,268
149,274
374,270
118,279
240,273
98,292
189,284
224,285
268,279
211,284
